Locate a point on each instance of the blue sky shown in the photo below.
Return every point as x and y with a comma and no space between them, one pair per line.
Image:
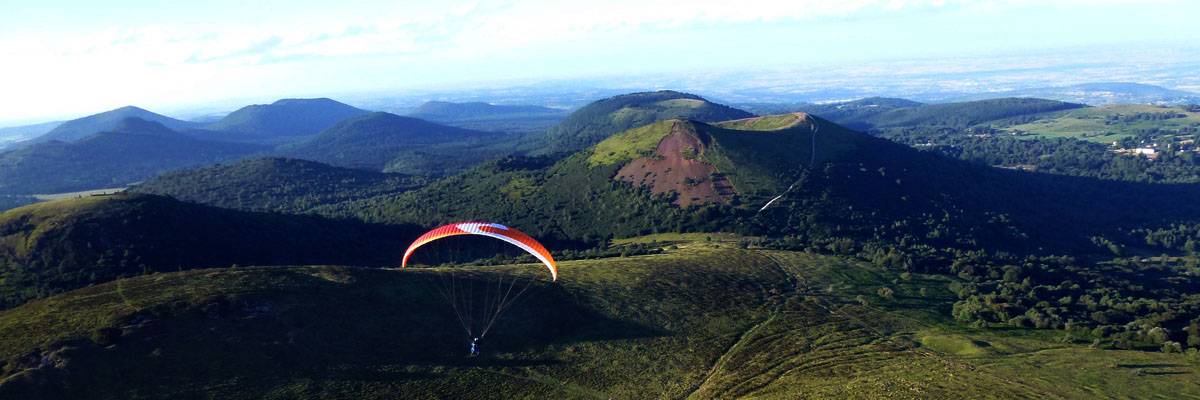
75,57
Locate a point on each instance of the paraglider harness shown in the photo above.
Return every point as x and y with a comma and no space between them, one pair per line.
474,347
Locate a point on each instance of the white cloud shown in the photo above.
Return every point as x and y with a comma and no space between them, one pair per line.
83,69
496,26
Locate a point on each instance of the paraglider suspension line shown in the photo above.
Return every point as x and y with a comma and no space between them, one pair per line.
449,291
503,303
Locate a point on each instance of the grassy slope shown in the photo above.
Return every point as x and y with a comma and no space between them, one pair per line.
1089,123
51,247
699,321
626,327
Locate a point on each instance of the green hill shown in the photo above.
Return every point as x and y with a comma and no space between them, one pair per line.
132,151
284,121
597,121
904,119
275,184
490,117
106,121
698,322
51,247
382,141
963,115
686,176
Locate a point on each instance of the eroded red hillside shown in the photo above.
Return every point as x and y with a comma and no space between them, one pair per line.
675,166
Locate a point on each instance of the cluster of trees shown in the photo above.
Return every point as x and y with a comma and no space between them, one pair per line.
276,185
1066,156
1130,301
1143,116
1177,237
947,127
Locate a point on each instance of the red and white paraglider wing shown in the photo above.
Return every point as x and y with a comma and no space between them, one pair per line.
512,236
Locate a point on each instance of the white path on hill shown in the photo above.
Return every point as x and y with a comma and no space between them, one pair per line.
811,161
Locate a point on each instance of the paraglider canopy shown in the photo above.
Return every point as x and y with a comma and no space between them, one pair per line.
512,236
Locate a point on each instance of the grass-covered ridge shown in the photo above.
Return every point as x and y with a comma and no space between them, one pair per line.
657,321
55,246
633,143
768,123
703,320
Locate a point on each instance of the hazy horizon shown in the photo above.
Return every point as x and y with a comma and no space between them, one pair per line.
79,58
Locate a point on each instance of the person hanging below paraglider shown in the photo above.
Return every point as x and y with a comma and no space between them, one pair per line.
474,347
454,292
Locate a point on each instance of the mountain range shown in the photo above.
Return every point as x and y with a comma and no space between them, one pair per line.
374,141
284,121
703,252
131,151
82,127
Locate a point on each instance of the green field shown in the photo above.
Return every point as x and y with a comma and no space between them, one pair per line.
1102,124
703,320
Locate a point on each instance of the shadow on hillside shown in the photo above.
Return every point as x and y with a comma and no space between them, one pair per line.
269,326
1079,207
398,317
1149,365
